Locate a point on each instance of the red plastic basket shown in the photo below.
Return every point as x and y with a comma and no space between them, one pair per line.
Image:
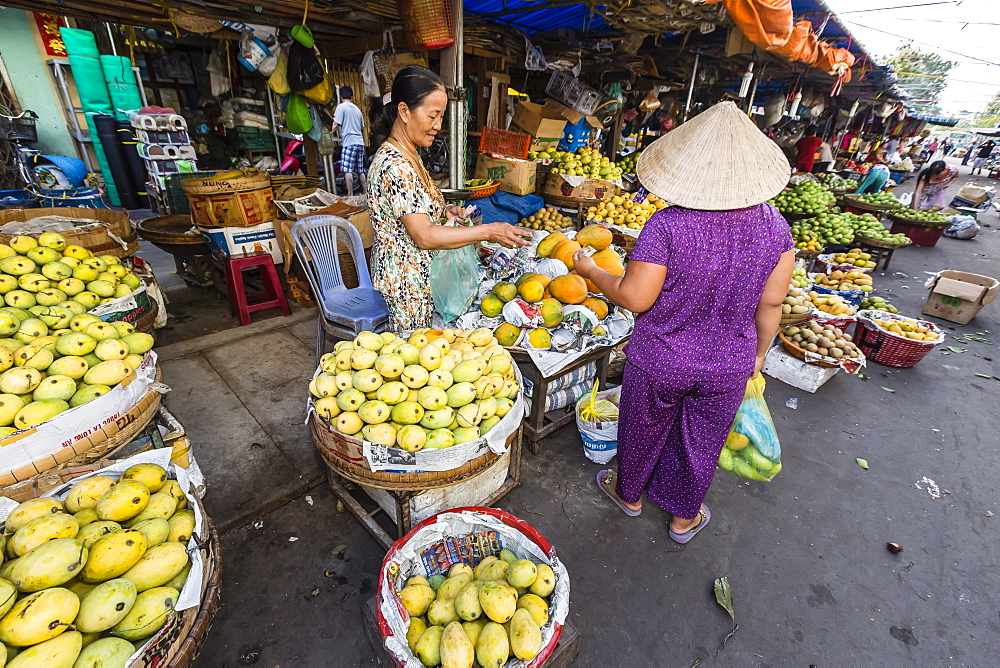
526,529
505,142
428,24
920,235
889,349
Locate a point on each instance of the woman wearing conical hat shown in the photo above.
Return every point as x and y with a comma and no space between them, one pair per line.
707,277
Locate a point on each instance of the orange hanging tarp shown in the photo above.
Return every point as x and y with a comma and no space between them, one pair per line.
769,25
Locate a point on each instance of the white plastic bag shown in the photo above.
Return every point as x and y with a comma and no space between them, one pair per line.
600,439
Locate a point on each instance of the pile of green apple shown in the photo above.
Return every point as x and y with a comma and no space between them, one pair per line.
806,197
48,275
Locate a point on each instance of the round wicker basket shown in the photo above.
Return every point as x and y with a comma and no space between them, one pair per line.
801,354
868,207
878,243
175,230
793,318
191,644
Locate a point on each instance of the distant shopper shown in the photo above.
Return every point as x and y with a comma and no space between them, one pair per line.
931,149
983,154
932,185
874,180
969,150
805,150
351,122
946,148
892,146
825,158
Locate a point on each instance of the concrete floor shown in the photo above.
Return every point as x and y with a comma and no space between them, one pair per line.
812,581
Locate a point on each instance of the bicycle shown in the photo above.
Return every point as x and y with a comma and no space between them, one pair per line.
21,133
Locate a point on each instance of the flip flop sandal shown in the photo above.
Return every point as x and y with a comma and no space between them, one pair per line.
604,479
685,537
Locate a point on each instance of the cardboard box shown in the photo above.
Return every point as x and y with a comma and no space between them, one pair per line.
958,296
230,241
516,177
580,187
576,134
545,126
789,369
973,193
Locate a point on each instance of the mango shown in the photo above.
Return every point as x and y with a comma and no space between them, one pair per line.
113,555
491,306
81,589
150,612
158,566
507,334
428,648
160,506
108,373
39,617
552,312
153,476
8,596
94,531
156,530
181,578
453,585
414,631
482,565
181,526
467,602
48,565
416,599
41,530
498,602
536,606
459,568
435,581
29,510
525,636
456,650
59,652
545,581
105,653
506,554
86,493
7,567
473,629
493,646
442,612
105,605
89,638
521,573
495,570
123,501
173,488
540,338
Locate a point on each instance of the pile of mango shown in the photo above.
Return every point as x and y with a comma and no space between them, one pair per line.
624,211
874,303
485,615
854,257
845,280
831,304
86,578
585,162
436,389
909,329
800,279
547,218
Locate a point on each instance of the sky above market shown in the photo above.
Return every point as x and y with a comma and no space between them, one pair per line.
964,31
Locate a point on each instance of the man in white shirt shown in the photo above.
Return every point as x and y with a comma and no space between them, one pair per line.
351,122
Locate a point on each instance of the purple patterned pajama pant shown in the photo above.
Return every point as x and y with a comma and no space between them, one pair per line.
671,429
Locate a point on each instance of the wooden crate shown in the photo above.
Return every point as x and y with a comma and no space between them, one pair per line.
562,657
389,514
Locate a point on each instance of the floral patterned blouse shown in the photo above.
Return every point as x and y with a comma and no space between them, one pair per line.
400,269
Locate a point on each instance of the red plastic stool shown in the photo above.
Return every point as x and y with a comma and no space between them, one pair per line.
273,295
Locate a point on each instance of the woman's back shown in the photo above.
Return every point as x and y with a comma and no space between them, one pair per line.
717,264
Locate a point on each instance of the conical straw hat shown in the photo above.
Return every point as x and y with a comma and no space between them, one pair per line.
717,161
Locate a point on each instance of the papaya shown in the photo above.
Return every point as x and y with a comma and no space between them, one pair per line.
552,312
569,289
507,334
541,278
564,251
609,261
546,245
595,236
531,291
597,305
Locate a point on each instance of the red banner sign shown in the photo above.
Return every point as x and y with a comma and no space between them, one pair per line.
48,29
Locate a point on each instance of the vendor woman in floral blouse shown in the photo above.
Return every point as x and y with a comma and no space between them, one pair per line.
407,207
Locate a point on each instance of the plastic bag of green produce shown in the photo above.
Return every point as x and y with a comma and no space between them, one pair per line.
752,450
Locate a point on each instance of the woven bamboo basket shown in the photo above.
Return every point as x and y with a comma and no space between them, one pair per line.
801,354
848,202
102,443
343,456
878,243
145,323
297,181
173,230
214,185
793,318
94,236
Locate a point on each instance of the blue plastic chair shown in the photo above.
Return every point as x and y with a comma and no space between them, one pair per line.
343,312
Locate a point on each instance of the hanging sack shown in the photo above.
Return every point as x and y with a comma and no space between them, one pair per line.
297,118
752,450
304,68
278,81
454,279
321,93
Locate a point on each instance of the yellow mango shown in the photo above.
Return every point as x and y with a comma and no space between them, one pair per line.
521,573
442,612
428,648
545,581
38,617
29,510
473,629
81,589
459,568
104,653
42,530
467,602
94,531
156,530
105,605
123,501
181,578
8,596
525,636
416,599
499,602
481,566
150,612
173,488
59,652
414,631
158,566
493,646
160,506
453,585
153,476
7,567
114,554
496,570
535,605
456,650
48,565
86,516
86,493
181,526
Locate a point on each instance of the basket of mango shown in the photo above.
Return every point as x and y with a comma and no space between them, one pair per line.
895,340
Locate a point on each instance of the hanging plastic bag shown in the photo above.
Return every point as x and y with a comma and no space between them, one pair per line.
278,81
297,118
321,93
304,68
454,281
752,450
597,421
